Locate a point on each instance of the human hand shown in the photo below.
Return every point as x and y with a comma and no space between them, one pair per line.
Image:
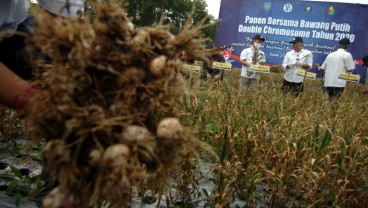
23,100
298,64
319,67
290,66
216,77
249,73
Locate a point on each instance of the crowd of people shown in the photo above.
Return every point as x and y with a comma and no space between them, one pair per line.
339,61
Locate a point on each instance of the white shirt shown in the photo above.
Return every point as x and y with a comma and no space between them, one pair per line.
59,7
337,62
303,56
247,54
12,13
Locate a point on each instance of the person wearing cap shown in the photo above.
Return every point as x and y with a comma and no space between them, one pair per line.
296,59
339,61
249,56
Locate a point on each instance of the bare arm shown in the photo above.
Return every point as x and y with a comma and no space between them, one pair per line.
11,87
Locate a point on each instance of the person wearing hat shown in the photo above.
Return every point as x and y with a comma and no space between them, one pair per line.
340,61
249,56
296,59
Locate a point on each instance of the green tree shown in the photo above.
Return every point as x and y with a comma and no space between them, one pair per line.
200,12
175,12
148,13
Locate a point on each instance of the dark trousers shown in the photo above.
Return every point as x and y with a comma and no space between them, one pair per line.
334,92
12,50
292,87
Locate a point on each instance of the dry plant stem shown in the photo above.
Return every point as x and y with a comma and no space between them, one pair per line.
294,152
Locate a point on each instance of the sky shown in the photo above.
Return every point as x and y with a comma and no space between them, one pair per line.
213,7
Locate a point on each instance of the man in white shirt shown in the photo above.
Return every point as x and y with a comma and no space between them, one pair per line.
296,59
249,56
337,62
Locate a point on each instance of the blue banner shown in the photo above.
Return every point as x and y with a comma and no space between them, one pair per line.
320,24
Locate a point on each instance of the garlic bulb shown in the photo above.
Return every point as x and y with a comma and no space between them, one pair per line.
157,65
58,198
53,199
169,128
130,25
95,156
55,146
141,37
136,133
116,155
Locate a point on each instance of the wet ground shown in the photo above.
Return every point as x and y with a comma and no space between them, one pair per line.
27,158
11,202
19,161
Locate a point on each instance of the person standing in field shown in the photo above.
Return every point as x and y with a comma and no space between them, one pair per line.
340,61
249,56
365,63
296,59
